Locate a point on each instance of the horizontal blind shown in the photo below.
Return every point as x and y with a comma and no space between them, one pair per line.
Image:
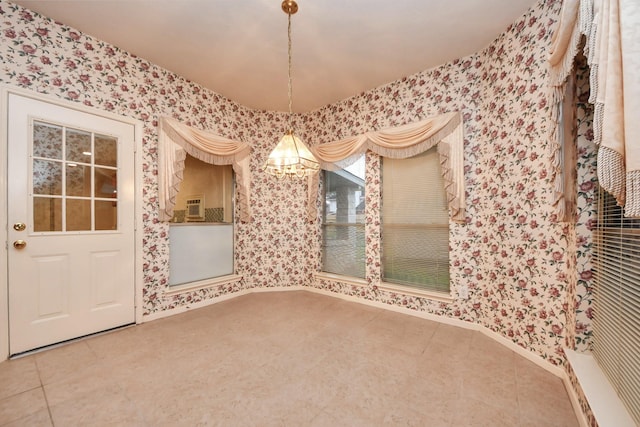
343,250
415,223
616,326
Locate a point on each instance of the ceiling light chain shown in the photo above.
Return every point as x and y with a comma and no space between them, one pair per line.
290,157
290,87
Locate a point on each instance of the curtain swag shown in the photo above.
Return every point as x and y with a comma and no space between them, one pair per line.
176,140
612,49
401,142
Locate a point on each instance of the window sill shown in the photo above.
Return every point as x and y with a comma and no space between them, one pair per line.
355,281
605,403
408,290
202,284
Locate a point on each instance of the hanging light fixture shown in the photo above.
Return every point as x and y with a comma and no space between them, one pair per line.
291,157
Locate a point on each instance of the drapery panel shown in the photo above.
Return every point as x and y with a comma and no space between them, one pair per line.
399,143
176,140
564,48
613,52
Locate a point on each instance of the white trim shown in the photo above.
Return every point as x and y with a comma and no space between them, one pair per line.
280,289
607,408
184,308
575,401
211,301
202,284
355,281
139,225
4,297
5,91
416,292
421,314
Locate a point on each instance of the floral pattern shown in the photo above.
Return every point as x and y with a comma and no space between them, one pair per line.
586,208
527,275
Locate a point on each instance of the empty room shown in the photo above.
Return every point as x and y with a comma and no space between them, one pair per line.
357,213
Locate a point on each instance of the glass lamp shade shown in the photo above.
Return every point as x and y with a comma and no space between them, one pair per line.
291,158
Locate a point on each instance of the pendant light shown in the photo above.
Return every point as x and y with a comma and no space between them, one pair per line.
291,157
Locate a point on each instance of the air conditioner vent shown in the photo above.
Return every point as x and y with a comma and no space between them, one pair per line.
195,208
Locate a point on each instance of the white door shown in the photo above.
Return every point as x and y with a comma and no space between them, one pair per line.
71,250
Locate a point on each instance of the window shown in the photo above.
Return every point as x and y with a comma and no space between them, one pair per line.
617,300
415,223
75,179
343,221
201,232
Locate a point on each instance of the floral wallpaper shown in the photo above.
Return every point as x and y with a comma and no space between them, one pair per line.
586,207
527,275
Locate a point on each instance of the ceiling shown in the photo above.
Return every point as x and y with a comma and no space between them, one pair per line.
238,48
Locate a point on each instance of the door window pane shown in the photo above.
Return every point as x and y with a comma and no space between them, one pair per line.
78,146
47,214
106,215
106,183
106,150
47,177
78,215
78,180
47,141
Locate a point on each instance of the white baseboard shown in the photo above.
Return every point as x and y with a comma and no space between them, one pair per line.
210,301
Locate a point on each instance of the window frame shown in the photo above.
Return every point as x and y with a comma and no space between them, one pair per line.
228,221
417,289
360,227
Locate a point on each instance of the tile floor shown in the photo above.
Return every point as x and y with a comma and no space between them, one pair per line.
282,359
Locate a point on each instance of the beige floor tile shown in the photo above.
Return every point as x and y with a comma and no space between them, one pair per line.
433,413
283,358
40,418
399,331
17,376
99,407
58,363
473,413
113,343
453,340
79,383
493,388
557,409
22,406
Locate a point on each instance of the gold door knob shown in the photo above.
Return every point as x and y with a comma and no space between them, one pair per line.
19,226
19,244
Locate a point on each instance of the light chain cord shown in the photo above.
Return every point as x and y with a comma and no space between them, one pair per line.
289,70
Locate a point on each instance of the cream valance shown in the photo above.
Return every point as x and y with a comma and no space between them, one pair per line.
613,53
399,143
176,140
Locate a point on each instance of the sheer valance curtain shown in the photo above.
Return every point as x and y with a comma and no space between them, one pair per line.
613,53
175,140
401,142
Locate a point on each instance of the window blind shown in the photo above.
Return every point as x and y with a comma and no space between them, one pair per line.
415,223
616,326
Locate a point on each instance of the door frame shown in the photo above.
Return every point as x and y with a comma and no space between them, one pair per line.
5,91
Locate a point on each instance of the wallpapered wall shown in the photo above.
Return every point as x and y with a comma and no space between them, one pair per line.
517,262
41,55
